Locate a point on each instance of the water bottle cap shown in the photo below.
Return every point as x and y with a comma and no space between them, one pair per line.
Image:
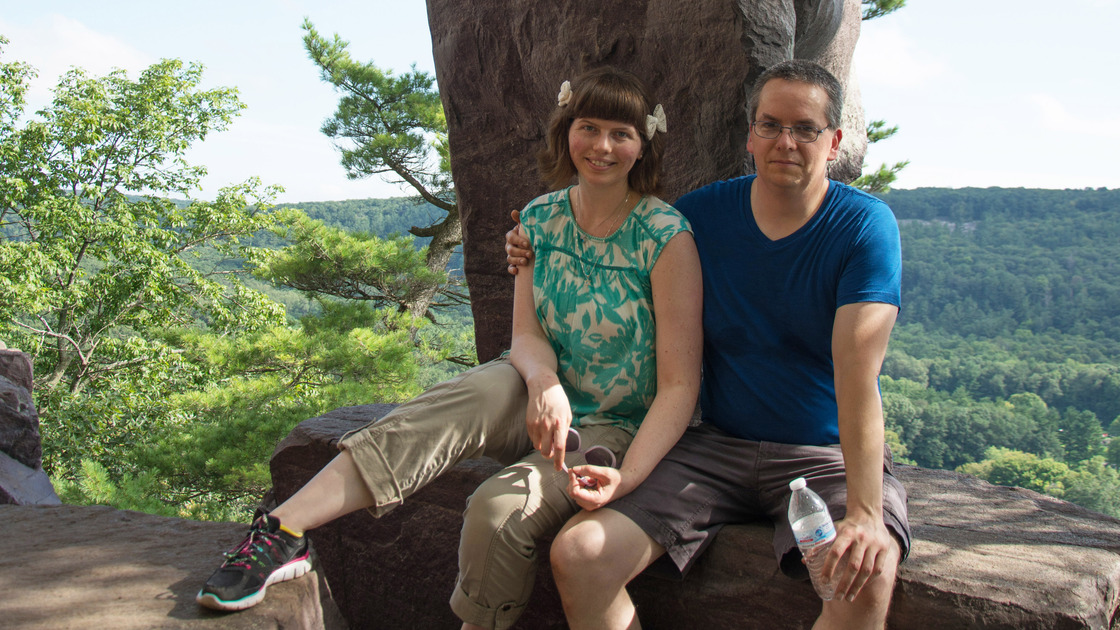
797,484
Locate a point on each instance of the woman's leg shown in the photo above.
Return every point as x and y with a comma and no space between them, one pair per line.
480,412
337,490
504,519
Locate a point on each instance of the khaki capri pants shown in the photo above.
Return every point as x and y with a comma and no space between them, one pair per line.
480,412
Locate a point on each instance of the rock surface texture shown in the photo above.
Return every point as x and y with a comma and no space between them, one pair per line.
983,556
22,480
500,64
77,568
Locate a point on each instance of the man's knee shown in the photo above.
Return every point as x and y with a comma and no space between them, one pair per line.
870,608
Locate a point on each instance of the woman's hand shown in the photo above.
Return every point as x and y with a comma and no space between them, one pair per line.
547,419
518,249
592,487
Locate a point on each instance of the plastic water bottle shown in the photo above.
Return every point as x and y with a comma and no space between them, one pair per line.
814,531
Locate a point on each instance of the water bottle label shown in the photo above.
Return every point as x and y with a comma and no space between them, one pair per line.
812,531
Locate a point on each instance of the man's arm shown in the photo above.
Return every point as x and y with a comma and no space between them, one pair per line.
859,344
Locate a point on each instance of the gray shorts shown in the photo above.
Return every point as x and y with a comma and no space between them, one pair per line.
711,478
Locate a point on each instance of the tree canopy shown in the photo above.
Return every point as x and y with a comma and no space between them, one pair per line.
82,258
388,124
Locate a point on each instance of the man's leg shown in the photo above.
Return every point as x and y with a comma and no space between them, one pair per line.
593,558
823,468
869,610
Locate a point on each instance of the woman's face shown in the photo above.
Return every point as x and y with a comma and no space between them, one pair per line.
603,151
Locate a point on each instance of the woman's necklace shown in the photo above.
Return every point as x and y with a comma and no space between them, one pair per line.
617,215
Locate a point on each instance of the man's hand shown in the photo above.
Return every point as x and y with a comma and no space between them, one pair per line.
863,550
518,250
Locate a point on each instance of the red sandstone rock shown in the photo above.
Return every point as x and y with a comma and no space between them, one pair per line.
90,567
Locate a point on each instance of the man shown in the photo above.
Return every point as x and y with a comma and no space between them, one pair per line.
801,291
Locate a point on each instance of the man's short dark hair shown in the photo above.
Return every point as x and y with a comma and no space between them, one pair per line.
804,72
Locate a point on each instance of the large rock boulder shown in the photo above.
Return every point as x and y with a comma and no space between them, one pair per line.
983,556
80,567
500,64
22,480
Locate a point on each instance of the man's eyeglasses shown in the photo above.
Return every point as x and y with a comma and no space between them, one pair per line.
803,134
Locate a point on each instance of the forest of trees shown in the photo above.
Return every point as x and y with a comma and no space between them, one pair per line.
1005,361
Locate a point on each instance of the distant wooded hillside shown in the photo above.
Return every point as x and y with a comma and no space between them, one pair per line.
1009,336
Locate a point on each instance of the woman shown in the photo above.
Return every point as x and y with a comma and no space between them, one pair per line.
611,260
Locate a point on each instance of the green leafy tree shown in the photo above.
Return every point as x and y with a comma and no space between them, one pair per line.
1095,485
92,253
1081,435
395,126
210,450
1092,484
328,262
1007,467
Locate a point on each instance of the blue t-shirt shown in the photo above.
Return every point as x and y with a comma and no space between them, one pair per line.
769,306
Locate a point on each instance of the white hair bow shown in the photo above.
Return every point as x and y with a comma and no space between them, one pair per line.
565,94
656,122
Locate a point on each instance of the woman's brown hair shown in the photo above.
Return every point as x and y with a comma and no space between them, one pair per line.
612,94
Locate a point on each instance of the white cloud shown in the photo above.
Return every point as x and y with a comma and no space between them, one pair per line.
57,43
1056,116
884,56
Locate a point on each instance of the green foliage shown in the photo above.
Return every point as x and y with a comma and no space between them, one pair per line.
1008,467
386,123
1096,486
878,8
1008,334
1082,436
83,265
394,125
880,180
180,379
993,262
352,266
1091,484
217,439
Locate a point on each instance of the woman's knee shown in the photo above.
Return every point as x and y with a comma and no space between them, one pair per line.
579,555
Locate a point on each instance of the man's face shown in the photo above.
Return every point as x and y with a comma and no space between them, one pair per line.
782,161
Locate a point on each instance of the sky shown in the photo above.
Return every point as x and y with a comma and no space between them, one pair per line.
993,93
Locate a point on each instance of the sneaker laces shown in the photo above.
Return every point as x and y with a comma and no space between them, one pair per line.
246,551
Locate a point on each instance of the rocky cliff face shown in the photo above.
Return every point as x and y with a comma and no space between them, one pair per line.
500,63
22,480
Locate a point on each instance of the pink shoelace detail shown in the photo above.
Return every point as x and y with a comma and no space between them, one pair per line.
247,550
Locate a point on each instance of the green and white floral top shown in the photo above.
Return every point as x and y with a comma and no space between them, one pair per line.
594,300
